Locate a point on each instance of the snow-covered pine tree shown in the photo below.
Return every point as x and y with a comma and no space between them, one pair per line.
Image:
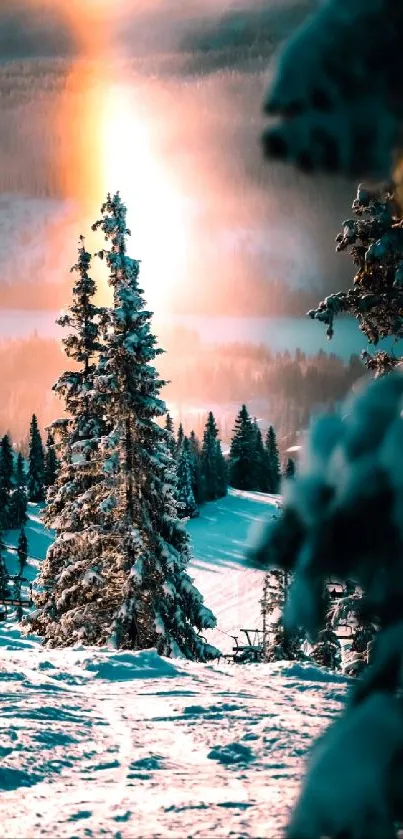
274,460
19,498
22,551
281,643
187,507
341,110
242,455
211,465
6,482
36,467
327,649
136,593
51,461
349,610
72,508
180,438
195,467
342,520
374,238
170,438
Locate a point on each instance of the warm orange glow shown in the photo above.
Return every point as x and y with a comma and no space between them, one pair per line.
107,143
157,213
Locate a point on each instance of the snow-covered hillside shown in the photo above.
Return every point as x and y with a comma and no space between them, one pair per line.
98,743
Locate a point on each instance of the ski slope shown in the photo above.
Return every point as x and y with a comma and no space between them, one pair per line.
96,743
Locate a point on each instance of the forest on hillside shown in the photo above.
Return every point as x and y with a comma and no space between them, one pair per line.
281,388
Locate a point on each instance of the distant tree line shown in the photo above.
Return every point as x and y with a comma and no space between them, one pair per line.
21,482
203,473
288,387
201,467
253,464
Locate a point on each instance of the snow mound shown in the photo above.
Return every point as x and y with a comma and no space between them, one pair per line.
307,672
123,667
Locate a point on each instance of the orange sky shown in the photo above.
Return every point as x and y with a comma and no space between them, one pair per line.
109,142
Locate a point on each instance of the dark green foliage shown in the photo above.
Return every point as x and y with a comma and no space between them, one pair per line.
6,482
187,506
169,424
22,550
51,461
273,461
19,498
212,463
336,92
242,456
374,238
170,435
36,469
261,461
222,472
327,650
285,645
289,471
180,438
3,575
195,467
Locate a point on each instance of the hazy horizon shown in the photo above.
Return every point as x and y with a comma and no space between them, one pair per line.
164,104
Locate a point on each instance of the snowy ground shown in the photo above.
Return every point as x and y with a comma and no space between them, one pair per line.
123,745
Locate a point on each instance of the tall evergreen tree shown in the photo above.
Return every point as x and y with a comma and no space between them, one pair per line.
195,467
289,471
211,462
6,482
71,499
261,461
180,438
51,461
72,508
274,461
242,456
22,550
19,499
222,471
187,506
170,434
128,584
36,469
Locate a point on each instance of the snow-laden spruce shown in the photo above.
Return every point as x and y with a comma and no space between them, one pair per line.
69,572
337,90
117,572
374,238
343,519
